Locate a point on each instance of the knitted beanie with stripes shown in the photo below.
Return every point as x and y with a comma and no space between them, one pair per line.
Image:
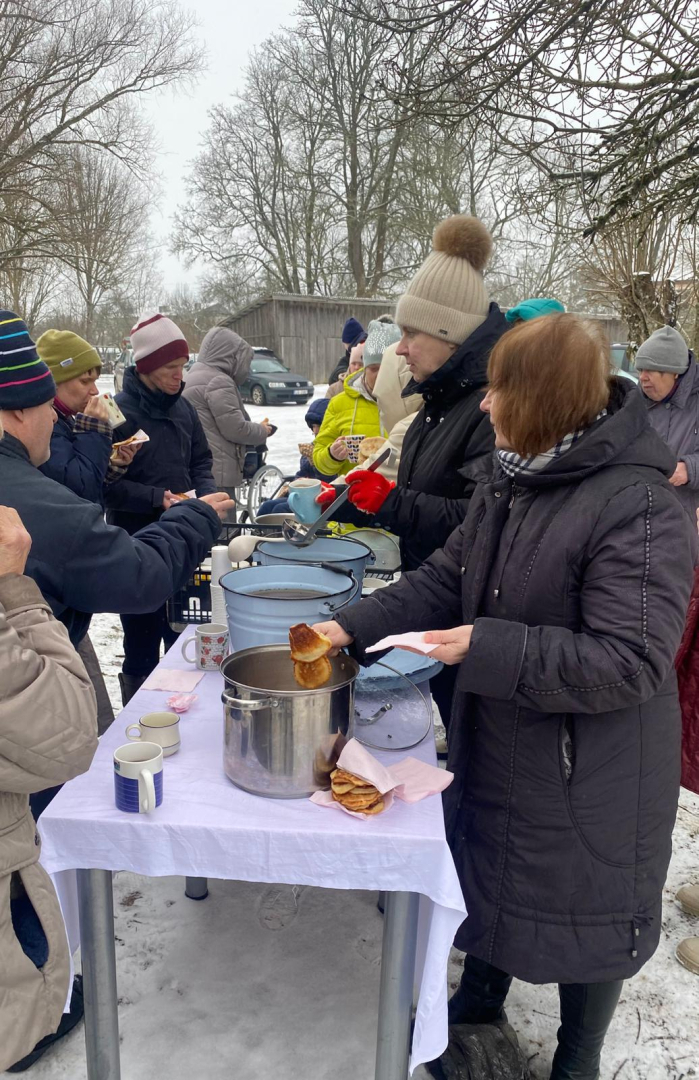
155,341
25,380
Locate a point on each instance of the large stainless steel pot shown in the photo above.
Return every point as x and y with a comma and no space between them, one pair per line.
282,741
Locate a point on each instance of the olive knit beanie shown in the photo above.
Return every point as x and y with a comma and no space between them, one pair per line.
447,298
67,355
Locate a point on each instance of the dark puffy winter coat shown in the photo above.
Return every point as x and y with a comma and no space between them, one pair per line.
82,565
79,459
340,367
176,459
565,733
449,434
687,664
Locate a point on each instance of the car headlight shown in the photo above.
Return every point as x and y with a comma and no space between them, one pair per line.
276,385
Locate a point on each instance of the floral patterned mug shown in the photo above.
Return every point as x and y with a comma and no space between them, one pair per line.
211,646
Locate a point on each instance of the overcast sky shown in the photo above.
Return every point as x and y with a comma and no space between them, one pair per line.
228,29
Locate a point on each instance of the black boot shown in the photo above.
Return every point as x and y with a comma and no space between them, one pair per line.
480,1052
68,1022
129,684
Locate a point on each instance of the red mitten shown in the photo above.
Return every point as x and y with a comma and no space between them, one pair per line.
327,495
368,490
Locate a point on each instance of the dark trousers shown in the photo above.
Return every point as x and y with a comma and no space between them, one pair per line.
586,1013
143,635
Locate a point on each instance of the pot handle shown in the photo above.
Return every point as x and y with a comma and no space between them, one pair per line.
328,607
252,706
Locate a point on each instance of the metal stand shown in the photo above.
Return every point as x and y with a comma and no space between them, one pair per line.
96,906
196,888
397,977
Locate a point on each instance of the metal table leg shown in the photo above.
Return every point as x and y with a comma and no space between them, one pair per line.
96,906
397,977
196,888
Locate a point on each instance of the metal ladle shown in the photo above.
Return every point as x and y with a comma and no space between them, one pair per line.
302,535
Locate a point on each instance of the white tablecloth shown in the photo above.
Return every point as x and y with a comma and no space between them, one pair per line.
207,827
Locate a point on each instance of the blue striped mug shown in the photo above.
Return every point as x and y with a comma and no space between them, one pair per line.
138,777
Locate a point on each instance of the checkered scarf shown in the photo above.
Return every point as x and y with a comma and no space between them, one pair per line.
513,464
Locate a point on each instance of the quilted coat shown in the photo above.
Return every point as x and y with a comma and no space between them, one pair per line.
48,734
564,738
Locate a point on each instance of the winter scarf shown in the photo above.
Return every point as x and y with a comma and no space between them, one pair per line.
514,464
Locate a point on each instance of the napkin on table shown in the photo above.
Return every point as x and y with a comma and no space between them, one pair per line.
181,682
409,779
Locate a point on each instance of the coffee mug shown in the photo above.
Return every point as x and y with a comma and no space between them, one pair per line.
210,645
302,500
162,728
138,777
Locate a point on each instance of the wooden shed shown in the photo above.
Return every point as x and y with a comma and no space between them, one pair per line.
304,331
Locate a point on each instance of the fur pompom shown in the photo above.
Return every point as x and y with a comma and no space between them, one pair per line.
466,238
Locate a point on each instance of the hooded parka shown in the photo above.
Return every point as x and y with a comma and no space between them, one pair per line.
48,734
565,733
212,388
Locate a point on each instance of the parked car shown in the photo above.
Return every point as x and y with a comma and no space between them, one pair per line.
270,382
622,359
125,361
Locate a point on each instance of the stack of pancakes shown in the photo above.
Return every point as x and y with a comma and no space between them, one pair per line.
309,650
354,793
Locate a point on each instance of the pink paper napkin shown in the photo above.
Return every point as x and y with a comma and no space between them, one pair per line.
409,779
403,641
180,703
182,682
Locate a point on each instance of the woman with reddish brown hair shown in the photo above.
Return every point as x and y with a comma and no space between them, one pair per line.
561,599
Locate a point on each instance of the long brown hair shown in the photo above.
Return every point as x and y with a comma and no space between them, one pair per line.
551,376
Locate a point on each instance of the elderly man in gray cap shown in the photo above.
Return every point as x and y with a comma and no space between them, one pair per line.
669,378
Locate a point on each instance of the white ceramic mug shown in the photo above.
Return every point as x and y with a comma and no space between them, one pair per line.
162,728
138,777
210,644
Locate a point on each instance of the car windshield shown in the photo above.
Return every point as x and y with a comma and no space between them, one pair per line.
263,364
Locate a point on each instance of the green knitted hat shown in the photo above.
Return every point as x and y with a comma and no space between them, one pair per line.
67,355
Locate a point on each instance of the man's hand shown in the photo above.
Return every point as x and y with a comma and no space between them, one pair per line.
220,502
125,454
170,500
453,644
339,450
97,407
15,542
337,635
680,475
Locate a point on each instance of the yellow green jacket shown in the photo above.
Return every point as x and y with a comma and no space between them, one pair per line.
349,413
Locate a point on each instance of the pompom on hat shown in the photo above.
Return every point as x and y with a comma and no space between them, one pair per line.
447,298
155,341
25,380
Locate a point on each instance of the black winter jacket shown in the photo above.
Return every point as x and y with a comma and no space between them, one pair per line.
565,733
177,458
79,459
82,565
450,433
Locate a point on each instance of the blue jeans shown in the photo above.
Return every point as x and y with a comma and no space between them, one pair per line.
274,506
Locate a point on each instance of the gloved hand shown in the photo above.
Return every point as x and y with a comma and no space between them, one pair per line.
327,496
368,490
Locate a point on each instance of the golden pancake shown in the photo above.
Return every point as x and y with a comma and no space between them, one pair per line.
307,644
312,676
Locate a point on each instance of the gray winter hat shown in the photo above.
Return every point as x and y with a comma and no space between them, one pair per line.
379,337
665,350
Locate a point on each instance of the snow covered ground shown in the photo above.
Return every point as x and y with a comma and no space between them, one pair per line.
265,981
